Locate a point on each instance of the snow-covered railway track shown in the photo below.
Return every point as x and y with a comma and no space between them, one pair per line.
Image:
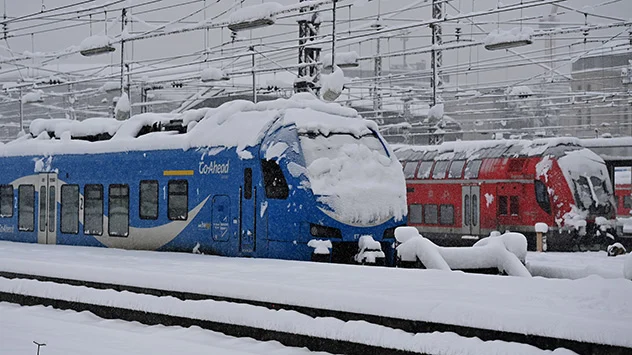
130,303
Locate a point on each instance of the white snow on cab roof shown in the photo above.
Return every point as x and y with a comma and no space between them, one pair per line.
234,124
482,149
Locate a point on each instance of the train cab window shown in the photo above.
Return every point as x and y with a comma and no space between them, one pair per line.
409,169
542,196
514,205
148,199
93,209
502,205
471,169
247,183
414,214
456,169
275,184
6,201
424,169
431,214
26,208
446,214
178,203
118,214
440,169
627,201
69,222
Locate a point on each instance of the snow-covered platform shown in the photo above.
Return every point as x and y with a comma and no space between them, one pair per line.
591,309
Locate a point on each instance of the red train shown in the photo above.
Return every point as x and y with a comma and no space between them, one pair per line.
623,192
459,192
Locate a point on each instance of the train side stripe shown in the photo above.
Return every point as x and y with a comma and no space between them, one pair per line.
178,173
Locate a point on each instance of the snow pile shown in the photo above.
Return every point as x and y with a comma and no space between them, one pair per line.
250,13
436,112
212,74
123,104
93,42
516,34
321,247
343,59
335,166
88,127
506,252
543,166
541,227
575,219
615,249
33,96
573,266
332,84
627,267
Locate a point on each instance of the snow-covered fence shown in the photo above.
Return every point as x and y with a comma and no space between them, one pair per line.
506,252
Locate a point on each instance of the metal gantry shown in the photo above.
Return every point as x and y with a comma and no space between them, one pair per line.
308,56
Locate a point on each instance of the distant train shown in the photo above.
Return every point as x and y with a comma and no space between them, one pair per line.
251,180
623,192
459,192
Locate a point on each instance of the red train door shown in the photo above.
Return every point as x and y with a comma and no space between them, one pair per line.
471,216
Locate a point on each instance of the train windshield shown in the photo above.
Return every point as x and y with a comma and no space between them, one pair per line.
317,145
591,191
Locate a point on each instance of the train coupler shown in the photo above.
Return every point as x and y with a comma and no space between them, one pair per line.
369,251
322,250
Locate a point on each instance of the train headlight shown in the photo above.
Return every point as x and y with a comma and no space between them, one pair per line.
324,232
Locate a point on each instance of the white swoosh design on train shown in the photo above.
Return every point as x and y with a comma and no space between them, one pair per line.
139,238
148,238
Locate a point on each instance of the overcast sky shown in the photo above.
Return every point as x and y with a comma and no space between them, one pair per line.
46,40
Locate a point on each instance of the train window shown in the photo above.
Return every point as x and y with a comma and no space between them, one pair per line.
440,169
26,208
471,169
93,210
248,183
514,205
6,201
118,214
148,199
467,209
424,169
446,214
51,210
627,201
414,214
431,214
409,169
542,196
456,169
275,184
42,209
474,210
69,222
178,203
502,205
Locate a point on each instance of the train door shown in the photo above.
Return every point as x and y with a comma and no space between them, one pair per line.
471,216
248,214
47,208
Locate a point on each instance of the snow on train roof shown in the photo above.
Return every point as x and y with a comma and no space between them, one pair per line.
234,124
485,149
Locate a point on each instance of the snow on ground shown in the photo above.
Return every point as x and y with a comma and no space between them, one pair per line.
590,309
575,265
69,332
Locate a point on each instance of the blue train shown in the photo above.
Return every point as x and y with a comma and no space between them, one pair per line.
252,180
